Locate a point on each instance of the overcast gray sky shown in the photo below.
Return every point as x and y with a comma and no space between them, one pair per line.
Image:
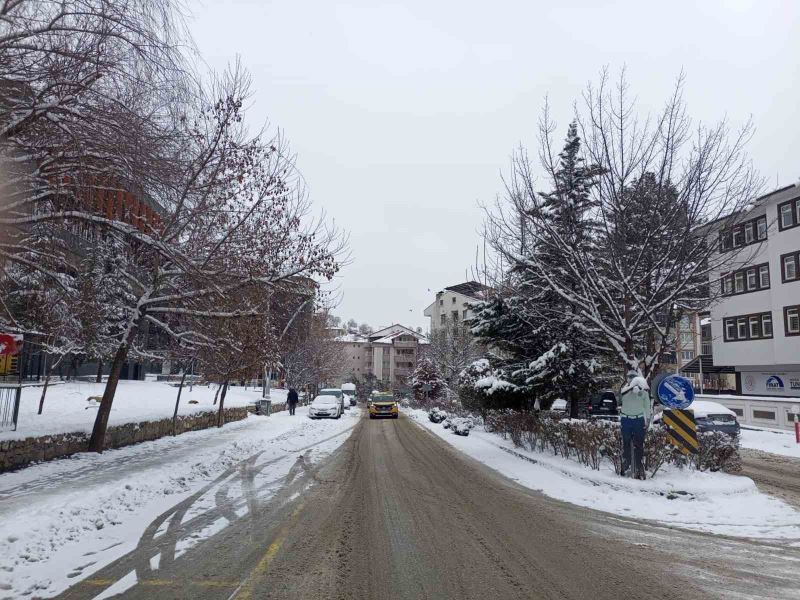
403,115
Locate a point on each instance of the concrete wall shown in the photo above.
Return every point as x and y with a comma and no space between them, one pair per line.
19,453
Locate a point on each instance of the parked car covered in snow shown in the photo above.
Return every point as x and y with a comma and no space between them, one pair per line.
383,405
349,389
559,405
338,393
325,406
711,416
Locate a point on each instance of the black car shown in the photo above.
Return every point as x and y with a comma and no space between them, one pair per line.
603,405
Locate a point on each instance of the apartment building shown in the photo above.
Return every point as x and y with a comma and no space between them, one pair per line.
454,304
755,328
390,354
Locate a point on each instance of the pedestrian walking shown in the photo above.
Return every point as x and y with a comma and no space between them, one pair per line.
292,400
636,407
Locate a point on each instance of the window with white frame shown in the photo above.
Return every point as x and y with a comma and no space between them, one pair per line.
761,225
756,326
789,266
787,216
752,281
739,279
763,276
791,320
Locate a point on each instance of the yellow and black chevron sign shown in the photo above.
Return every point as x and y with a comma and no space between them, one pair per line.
682,430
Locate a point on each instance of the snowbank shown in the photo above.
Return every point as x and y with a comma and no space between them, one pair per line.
768,440
68,410
63,520
711,502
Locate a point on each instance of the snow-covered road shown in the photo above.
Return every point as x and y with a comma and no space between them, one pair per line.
63,520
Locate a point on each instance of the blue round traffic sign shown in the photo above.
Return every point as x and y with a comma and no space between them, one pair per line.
675,391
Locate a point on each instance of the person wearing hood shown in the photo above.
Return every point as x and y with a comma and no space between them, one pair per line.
636,407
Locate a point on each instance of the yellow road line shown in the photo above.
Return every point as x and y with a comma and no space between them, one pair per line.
164,582
245,590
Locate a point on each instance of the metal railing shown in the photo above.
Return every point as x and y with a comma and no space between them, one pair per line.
9,406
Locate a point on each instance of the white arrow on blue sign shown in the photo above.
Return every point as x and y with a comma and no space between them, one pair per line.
675,391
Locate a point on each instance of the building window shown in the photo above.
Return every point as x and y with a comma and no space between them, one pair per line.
454,299
748,279
755,327
748,327
739,278
761,225
687,355
789,266
791,319
766,325
786,215
741,329
455,316
441,301
764,415
752,282
730,329
442,318
739,411
749,232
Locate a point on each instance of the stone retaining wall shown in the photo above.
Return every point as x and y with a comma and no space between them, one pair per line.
19,453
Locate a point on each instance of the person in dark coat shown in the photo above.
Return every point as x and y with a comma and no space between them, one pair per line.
292,399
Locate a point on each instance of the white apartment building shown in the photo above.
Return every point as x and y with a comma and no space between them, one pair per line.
390,354
755,327
454,304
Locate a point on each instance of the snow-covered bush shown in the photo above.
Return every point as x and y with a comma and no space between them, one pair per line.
437,415
482,386
590,442
461,425
427,383
718,451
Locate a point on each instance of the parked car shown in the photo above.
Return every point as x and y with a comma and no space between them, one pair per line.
559,405
325,406
350,390
711,416
383,405
335,392
603,405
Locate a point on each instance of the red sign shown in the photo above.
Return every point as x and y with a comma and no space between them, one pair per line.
10,343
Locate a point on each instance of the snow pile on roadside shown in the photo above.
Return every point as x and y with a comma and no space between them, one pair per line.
63,520
711,502
67,408
765,440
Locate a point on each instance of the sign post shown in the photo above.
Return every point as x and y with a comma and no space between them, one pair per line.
796,413
677,394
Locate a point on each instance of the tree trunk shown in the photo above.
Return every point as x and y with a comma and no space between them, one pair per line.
220,416
101,421
216,395
177,403
99,378
44,389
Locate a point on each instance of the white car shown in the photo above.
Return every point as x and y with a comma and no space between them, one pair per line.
325,407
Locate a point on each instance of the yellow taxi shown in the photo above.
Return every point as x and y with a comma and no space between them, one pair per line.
383,405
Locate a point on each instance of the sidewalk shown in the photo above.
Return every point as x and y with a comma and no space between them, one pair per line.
63,520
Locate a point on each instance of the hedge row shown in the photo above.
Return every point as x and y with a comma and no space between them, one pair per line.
591,441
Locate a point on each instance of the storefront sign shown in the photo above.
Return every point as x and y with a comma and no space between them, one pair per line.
776,383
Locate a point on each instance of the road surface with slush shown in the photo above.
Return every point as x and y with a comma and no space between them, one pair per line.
398,513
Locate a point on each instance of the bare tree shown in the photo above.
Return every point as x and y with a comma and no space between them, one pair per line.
452,349
662,187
